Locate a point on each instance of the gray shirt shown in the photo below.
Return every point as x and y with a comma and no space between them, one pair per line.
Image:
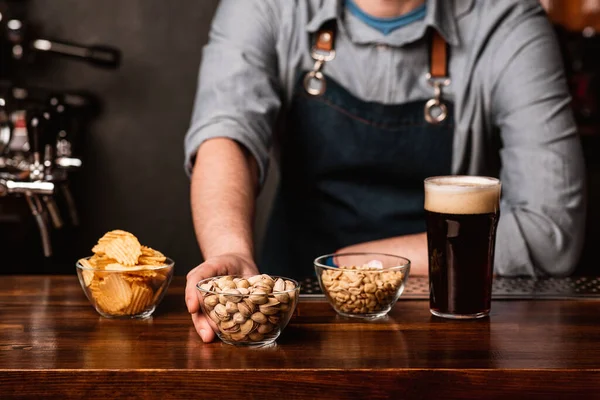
511,102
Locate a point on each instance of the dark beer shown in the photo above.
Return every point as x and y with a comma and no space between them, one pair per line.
462,216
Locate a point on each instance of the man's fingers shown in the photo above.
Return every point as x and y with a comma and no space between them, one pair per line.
203,327
205,270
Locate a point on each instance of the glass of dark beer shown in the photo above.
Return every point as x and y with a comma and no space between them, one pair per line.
462,215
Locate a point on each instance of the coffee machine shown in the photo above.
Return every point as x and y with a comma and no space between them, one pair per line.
40,129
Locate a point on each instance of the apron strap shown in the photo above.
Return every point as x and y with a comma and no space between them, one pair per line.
322,51
439,56
436,111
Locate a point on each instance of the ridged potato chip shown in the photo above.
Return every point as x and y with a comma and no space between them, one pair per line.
125,249
108,237
113,294
140,299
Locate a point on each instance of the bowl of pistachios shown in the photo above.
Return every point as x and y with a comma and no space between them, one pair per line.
362,285
248,311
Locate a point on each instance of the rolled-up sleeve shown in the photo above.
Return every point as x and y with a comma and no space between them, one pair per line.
238,94
541,228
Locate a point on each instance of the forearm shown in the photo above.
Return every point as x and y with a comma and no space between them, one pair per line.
413,247
223,192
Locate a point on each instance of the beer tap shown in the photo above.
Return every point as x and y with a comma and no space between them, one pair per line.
24,44
64,160
36,122
5,127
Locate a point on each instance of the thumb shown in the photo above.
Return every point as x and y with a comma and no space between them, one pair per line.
205,270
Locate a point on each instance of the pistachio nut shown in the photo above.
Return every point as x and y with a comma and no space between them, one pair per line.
232,295
259,317
259,297
213,316
211,300
239,337
254,279
239,318
221,312
248,327
246,308
265,328
243,284
229,326
231,307
279,285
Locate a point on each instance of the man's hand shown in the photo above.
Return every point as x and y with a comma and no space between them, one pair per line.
227,264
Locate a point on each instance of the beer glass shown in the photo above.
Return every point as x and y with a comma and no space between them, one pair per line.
462,216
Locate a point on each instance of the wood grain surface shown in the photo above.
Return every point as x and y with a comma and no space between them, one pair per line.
53,344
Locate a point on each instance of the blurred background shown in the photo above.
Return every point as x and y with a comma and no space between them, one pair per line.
108,87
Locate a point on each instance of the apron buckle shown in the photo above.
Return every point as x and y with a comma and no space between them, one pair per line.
435,110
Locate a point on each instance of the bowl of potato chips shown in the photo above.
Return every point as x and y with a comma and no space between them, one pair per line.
124,279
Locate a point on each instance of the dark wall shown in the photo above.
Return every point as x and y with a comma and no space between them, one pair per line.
133,151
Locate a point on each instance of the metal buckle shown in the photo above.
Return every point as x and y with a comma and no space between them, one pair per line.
308,78
435,102
320,59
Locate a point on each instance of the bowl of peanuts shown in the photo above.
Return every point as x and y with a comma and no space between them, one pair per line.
362,285
248,311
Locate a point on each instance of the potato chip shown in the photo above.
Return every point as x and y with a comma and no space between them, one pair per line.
108,237
144,273
125,249
153,261
101,261
88,276
140,299
134,278
150,252
112,294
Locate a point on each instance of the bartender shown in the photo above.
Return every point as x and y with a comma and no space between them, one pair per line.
361,100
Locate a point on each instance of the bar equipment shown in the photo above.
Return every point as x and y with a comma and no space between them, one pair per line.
40,127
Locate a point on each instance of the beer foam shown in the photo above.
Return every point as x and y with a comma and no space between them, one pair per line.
462,195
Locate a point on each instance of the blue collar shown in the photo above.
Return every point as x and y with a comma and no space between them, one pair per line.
441,15
387,25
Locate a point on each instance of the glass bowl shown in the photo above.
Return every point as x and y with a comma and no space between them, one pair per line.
127,292
248,311
362,285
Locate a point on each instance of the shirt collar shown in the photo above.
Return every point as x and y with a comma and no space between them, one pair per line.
441,15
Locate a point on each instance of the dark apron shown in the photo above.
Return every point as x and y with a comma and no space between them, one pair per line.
351,172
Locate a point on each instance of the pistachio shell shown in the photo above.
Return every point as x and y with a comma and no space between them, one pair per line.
263,287
243,291
268,280
282,297
242,284
221,312
239,318
254,279
214,317
231,307
279,285
259,297
207,286
259,317
246,308
211,301
232,295
265,328
239,337
274,319
248,326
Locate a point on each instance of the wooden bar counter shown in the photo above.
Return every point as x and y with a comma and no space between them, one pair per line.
53,344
